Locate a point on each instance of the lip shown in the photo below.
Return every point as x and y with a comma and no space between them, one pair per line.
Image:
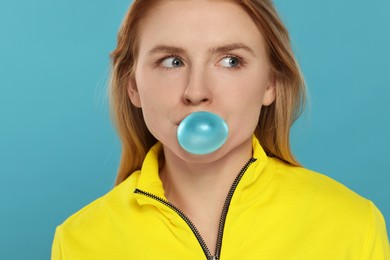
178,122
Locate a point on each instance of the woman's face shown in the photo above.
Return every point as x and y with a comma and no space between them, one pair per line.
201,56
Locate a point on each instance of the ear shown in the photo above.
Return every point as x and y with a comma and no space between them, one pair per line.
270,92
132,91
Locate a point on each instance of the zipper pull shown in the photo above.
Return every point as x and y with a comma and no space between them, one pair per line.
213,257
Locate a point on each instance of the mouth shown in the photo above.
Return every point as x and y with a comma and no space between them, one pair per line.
202,132
178,122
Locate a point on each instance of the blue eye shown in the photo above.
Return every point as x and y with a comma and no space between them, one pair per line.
230,62
171,62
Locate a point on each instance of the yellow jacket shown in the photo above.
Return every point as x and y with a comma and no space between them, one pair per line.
277,211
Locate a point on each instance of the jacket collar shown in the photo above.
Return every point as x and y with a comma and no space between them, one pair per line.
150,181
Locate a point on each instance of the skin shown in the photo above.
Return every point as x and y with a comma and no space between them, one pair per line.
200,55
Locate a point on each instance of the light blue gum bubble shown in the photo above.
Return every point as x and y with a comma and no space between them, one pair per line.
202,133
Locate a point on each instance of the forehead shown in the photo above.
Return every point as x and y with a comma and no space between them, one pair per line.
199,22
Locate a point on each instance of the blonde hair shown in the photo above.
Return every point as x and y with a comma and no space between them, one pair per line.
273,129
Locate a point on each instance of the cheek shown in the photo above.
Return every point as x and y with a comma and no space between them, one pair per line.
246,116
158,99
245,92
245,103
158,87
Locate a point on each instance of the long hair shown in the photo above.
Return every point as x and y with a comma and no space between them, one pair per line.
273,129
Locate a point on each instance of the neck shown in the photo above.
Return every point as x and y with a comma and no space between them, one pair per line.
201,186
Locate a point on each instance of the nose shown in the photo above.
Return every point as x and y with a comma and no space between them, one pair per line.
197,91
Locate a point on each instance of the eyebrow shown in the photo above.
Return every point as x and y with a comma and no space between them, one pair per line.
220,49
231,47
166,49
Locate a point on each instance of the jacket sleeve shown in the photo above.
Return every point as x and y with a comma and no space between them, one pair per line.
56,251
377,243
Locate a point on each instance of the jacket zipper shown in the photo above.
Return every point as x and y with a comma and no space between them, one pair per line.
222,220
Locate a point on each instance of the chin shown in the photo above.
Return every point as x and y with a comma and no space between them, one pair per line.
176,151
203,158
219,154
233,146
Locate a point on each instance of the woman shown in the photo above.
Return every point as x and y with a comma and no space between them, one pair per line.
248,198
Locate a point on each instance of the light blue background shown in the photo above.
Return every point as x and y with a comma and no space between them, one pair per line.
58,150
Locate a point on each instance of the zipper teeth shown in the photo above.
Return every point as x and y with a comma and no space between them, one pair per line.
221,221
183,216
225,208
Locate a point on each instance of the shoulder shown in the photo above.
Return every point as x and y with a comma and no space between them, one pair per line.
328,208
100,230
314,183
331,209
321,196
99,212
